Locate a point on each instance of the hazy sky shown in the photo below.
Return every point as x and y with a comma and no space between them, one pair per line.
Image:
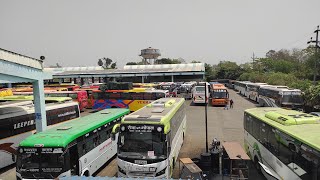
78,32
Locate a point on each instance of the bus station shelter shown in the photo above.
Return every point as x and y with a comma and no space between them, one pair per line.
130,73
17,68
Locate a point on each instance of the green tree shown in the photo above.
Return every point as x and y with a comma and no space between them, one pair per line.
114,65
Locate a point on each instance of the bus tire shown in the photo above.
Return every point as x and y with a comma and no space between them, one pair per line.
113,106
86,173
257,165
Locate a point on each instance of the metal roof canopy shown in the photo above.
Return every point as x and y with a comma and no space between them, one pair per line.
17,68
129,71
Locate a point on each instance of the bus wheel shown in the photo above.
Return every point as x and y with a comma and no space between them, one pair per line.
86,174
256,164
113,107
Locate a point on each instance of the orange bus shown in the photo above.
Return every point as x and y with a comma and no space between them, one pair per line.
77,96
219,95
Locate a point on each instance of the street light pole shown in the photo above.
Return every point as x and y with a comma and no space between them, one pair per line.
206,114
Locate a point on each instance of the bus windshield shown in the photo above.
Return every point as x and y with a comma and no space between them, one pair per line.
142,143
292,99
201,89
219,94
44,160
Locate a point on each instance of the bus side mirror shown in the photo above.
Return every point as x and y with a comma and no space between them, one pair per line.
114,131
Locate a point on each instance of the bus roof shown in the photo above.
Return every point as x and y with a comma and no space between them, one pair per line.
304,127
218,86
21,109
158,112
30,98
279,88
63,134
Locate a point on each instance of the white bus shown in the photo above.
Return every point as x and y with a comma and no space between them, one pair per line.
150,139
252,90
280,96
198,93
75,148
241,86
283,144
18,122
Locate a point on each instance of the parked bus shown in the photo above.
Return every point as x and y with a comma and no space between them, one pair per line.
6,92
132,99
79,147
30,98
150,139
198,93
241,86
171,87
78,96
15,103
252,90
18,122
185,90
283,143
219,95
281,97
69,86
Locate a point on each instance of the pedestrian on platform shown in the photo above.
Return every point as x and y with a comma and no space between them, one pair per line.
226,106
231,104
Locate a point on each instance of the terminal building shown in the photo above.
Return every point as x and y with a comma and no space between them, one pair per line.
130,73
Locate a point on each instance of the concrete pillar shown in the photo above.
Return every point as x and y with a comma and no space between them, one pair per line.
172,80
60,80
204,77
142,79
39,106
9,85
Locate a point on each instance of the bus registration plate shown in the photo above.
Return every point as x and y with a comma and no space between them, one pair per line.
140,162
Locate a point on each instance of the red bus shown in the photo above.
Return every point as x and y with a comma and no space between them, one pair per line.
79,96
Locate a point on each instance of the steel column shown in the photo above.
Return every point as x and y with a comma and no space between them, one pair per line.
39,105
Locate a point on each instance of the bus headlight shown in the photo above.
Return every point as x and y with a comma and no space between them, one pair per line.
161,172
121,170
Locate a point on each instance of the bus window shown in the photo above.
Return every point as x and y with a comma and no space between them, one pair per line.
248,123
126,96
147,96
160,95
264,129
137,96
274,145
114,95
256,129
285,154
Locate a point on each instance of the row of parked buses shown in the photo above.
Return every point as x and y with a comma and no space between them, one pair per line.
270,95
146,142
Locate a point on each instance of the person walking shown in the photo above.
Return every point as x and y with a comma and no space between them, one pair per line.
226,106
231,104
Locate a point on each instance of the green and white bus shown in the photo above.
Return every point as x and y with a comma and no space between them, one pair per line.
284,144
77,147
150,139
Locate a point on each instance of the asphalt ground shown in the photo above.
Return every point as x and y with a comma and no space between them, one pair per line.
225,125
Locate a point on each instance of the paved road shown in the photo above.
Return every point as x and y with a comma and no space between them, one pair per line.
226,125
